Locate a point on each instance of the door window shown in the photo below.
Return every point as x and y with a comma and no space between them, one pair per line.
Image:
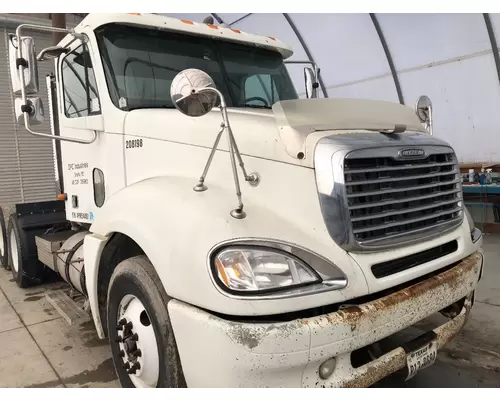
79,85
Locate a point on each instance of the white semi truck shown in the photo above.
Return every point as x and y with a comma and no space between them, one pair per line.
227,233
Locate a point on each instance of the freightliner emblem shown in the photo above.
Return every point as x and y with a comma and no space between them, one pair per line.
411,153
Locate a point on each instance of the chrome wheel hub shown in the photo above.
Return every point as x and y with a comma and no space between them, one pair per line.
137,343
13,251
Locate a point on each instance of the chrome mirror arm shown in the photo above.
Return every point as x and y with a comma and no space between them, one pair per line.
253,178
431,122
22,64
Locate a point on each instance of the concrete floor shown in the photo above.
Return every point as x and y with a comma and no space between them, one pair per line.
40,349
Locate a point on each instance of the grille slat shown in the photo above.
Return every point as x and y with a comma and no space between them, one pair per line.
394,168
408,199
406,221
385,191
405,178
389,198
406,210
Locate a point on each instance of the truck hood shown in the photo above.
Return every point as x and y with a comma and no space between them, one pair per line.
292,127
297,119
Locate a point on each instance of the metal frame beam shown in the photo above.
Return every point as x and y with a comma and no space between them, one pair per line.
240,19
389,57
306,49
493,41
218,19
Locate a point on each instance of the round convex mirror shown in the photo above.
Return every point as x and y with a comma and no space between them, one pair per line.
187,94
423,109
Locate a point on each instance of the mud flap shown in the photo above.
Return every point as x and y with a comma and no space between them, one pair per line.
35,219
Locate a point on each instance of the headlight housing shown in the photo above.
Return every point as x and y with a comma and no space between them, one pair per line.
258,270
266,268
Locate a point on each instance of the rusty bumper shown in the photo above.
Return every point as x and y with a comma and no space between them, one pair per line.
289,354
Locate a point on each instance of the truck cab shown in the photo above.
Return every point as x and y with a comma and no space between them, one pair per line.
214,220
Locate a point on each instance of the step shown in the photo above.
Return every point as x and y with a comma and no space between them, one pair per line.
70,310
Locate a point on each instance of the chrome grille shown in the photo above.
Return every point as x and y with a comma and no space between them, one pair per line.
390,198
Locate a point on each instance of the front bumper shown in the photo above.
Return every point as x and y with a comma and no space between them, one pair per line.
219,353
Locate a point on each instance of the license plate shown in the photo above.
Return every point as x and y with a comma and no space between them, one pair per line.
421,358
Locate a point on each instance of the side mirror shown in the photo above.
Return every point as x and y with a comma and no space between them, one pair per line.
52,52
423,109
188,95
310,83
193,93
30,72
34,109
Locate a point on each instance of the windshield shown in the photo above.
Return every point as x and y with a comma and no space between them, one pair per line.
141,63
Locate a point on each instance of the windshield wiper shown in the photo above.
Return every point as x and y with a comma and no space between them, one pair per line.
256,106
150,106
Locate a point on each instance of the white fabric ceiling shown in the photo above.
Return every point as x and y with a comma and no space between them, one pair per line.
445,56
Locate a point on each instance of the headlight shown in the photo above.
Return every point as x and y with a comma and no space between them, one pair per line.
250,270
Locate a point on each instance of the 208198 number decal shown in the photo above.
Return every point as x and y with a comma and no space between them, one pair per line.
132,144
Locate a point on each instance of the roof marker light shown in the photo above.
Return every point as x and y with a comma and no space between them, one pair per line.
187,22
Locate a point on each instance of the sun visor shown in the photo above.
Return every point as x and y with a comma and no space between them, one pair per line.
296,119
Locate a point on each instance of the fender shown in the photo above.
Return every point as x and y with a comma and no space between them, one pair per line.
176,227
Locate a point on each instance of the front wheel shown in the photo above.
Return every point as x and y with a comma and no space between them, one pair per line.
140,333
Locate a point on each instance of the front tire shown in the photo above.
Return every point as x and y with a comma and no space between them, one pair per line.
139,329
4,254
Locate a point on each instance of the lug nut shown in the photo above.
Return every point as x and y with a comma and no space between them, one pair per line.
134,368
122,353
128,325
122,322
126,365
137,353
134,337
119,339
119,328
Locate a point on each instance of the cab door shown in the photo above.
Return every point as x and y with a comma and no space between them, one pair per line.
80,117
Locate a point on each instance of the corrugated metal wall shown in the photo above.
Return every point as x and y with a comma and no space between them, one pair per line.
26,161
